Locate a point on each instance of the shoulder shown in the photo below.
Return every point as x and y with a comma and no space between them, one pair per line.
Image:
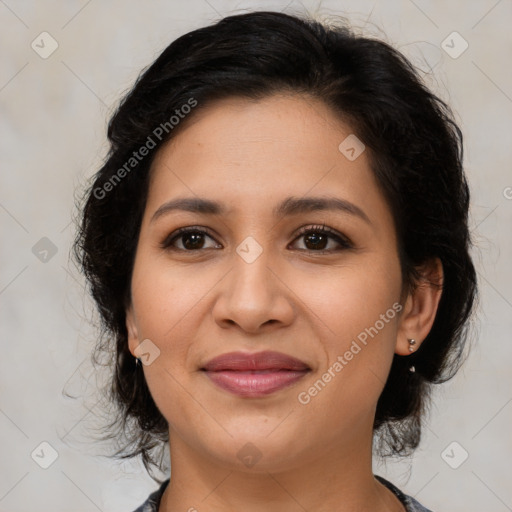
153,501
410,504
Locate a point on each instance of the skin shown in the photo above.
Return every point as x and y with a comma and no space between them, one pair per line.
197,304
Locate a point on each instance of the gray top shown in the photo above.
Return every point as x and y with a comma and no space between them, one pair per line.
409,503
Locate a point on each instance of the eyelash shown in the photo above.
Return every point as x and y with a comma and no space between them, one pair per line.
322,229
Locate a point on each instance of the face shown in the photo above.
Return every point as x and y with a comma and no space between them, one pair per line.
321,284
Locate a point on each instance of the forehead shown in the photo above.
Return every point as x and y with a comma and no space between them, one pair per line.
252,154
280,122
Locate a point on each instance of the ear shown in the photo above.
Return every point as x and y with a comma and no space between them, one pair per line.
131,327
420,307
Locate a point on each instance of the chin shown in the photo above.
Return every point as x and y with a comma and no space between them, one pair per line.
258,453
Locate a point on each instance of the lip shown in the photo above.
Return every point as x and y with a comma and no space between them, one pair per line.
243,361
255,375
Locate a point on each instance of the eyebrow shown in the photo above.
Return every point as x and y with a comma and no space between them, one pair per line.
290,206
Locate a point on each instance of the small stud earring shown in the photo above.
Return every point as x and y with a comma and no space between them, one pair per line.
137,362
412,342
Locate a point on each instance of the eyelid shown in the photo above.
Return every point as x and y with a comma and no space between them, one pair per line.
166,243
341,239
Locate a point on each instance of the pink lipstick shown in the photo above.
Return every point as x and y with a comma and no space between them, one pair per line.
255,375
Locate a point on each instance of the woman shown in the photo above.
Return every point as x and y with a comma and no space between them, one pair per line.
278,244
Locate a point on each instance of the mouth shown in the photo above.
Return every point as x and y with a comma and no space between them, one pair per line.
255,375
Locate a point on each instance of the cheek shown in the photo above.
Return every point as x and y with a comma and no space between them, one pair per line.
352,299
359,309
163,295
163,301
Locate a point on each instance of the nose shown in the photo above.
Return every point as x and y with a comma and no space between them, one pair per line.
254,296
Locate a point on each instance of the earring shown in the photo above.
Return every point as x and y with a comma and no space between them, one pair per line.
137,362
412,342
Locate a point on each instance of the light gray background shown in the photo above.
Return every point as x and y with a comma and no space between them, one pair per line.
52,136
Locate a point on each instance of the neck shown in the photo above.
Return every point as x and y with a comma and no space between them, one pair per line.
339,479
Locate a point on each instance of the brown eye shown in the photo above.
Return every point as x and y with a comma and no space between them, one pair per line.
192,239
316,239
